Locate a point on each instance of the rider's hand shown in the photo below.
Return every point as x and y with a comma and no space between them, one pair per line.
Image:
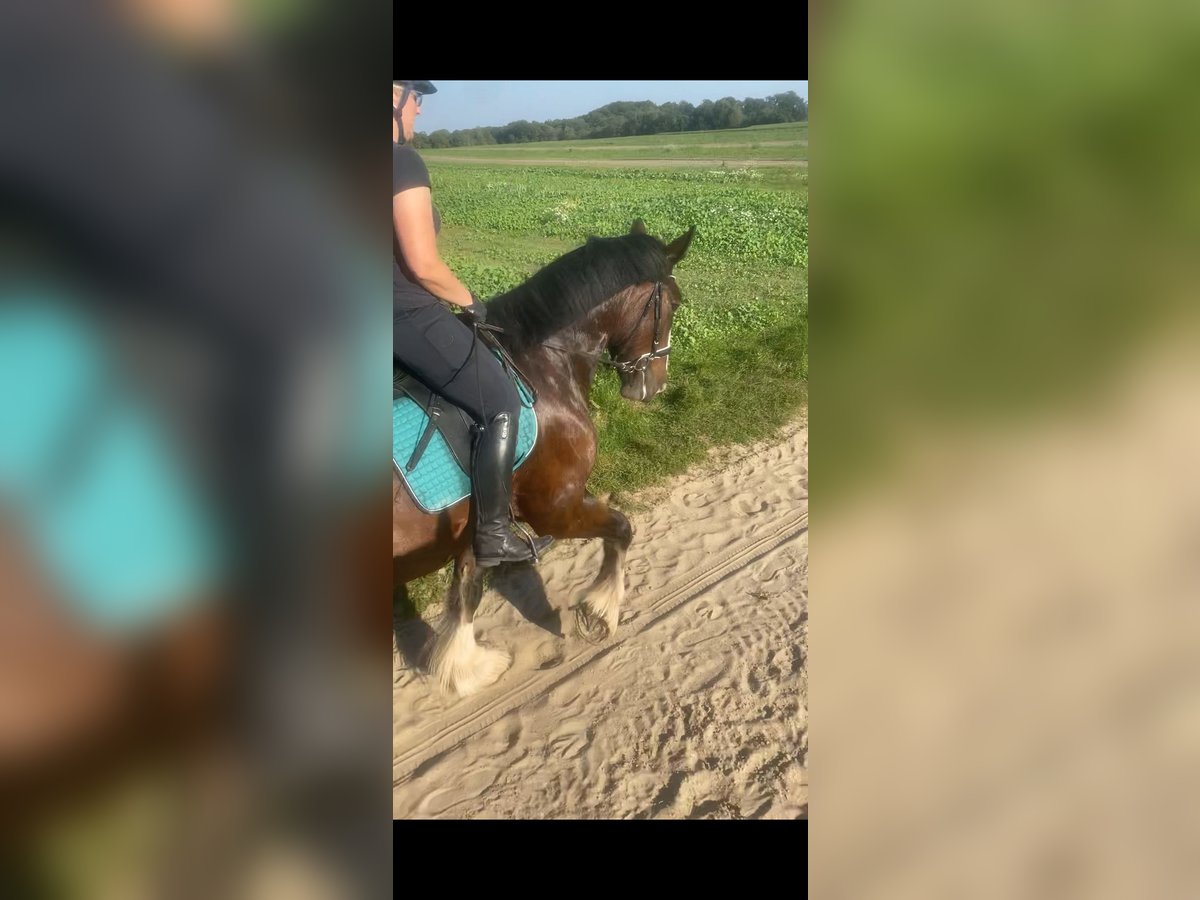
476,310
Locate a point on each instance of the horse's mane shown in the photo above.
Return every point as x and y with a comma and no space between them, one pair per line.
569,288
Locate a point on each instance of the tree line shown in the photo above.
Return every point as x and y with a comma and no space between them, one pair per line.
630,118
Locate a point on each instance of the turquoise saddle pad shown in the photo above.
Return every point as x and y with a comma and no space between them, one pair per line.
89,473
438,481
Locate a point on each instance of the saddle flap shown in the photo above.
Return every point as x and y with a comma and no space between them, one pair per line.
431,452
451,422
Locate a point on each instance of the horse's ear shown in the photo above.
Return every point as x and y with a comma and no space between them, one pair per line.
639,227
678,248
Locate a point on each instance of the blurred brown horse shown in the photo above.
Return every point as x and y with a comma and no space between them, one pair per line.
613,294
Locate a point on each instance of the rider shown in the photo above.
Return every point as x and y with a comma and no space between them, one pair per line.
440,349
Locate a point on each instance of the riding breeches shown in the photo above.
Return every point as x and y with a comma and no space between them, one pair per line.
440,350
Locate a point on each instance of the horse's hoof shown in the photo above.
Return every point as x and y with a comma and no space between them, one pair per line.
591,628
550,655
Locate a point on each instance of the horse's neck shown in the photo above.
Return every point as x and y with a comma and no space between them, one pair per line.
572,354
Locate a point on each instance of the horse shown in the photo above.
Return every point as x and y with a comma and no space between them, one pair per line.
613,294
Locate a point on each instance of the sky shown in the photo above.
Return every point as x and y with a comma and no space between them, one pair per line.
472,104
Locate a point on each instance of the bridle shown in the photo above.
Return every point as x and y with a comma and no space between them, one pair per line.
629,367
642,363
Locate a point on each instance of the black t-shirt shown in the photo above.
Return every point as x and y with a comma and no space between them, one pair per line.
408,171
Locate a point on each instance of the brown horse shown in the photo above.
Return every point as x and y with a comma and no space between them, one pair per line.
612,294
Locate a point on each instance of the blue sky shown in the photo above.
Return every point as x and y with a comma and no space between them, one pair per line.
471,104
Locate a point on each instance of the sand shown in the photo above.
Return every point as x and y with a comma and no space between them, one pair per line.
695,708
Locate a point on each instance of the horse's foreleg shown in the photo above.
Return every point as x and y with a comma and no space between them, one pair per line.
597,614
457,662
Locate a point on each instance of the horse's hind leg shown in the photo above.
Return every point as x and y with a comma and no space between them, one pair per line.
459,664
597,614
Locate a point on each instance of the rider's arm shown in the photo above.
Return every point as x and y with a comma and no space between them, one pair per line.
412,215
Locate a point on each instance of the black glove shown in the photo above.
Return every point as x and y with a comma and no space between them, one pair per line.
477,310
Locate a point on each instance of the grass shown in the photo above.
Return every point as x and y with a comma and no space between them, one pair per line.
786,142
533,152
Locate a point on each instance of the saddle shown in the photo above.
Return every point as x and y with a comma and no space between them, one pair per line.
432,440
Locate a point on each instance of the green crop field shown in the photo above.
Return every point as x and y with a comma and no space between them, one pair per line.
776,143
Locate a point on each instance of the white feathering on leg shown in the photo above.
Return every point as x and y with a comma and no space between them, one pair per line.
459,664
605,601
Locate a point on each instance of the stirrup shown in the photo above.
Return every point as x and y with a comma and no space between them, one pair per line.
525,533
523,548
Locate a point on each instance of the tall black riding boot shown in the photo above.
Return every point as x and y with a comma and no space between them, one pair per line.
492,465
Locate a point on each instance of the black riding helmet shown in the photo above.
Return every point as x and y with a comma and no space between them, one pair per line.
406,88
421,87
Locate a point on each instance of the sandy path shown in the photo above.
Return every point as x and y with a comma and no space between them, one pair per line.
696,709
630,163
681,145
